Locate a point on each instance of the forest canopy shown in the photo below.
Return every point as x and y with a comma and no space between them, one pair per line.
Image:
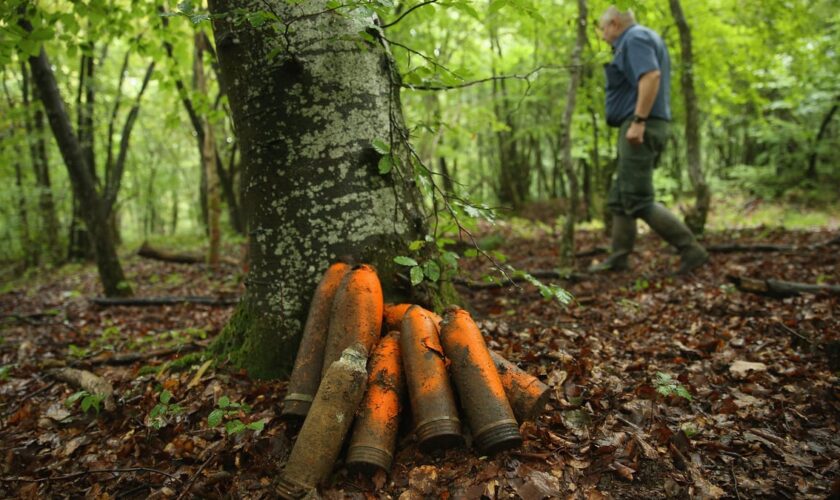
484,87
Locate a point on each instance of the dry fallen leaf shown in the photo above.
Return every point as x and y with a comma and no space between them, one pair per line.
741,369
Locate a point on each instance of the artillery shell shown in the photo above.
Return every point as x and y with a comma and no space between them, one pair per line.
527,395
326,425
306,374
356,314
432,401
483,398
375,431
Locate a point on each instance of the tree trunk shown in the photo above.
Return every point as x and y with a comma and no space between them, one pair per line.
696,218
811,173
95,218
567,243
208,160
311,191
40,164
514,181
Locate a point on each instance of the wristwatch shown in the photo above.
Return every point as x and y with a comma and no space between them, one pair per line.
639,119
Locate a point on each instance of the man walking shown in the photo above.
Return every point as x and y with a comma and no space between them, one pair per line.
638,102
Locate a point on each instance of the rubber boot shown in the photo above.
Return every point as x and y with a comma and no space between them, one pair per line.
623,239
675,232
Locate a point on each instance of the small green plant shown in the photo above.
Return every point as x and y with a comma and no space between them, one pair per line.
640,285
689,430
87,399
4,372
160,414
225,408
78,352
667,386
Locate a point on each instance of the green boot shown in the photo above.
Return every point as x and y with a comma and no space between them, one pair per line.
623,238
675,232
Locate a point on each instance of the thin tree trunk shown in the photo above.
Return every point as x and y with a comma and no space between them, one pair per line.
226,178
811,173
305,120
208,157
696,218
110,270
567,243
30,253
40,165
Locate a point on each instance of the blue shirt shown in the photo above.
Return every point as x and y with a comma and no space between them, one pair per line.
637,51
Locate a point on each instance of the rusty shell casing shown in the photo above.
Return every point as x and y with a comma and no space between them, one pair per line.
393,315
323,432
375,431
433,405
306,374
526,394
356,314
479,387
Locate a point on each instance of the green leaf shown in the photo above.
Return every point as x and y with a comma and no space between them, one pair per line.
416,275
215,418
381,147
4,372
431,270
234,427
157,411
416,245
405,261
385,164
70,401
224,402
257,426
471,253
165,396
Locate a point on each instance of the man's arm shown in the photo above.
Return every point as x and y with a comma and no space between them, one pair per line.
648,88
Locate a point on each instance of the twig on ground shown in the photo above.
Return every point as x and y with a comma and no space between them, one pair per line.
163,301
195,476
83,473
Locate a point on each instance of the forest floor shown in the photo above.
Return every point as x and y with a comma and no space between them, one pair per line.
760,418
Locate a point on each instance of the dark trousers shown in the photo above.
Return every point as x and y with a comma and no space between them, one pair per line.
632,187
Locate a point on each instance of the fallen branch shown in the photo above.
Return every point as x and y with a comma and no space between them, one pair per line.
758,247
86,380
768,247
128,358
545,274
149,252
83,473
163,301
779,289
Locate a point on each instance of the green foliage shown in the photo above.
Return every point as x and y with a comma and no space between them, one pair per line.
88,401
5,370
163,411
666,385
226,411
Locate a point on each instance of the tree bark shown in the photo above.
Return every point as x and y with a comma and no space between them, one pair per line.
811,173
696,217
208,160
40,164
567,243
311,191
84,188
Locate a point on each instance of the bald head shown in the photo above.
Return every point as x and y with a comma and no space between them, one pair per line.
614,21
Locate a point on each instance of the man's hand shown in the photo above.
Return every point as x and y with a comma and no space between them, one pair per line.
636,133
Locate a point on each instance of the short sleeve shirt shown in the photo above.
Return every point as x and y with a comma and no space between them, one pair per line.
637,51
